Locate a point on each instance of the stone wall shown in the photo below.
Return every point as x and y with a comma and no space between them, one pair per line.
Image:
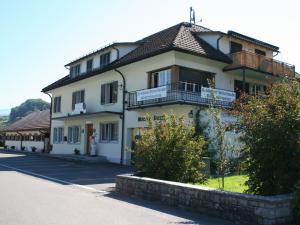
241,208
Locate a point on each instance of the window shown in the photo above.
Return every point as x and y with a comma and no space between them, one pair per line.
89,65
74,134
109,132
57,104
109,93
235,47
104,59
58,135
160,78
260,52
77,97
75,71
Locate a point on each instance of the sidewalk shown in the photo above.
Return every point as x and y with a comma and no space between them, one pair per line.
73,158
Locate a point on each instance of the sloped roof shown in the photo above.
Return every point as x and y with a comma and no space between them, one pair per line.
181,37
38,120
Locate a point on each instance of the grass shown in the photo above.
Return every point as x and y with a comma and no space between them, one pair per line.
235,183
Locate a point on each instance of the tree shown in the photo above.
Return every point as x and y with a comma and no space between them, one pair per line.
27,107
271,131
223,150
169,150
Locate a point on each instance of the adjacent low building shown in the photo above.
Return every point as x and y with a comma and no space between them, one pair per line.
29,133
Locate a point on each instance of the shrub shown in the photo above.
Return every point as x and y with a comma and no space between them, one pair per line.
271,131
169,150
33,149
23,148
13,147
5,146
296,203
76,151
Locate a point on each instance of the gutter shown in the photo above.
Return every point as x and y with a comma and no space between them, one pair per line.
122,116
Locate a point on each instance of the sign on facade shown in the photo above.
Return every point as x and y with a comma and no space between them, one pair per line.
153,93
220,95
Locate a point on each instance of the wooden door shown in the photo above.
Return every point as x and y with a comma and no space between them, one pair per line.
89,133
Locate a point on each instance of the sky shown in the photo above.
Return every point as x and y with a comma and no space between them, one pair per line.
39,37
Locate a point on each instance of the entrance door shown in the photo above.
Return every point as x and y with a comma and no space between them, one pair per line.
89,133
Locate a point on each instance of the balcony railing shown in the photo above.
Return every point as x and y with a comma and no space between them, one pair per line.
260,63
179,93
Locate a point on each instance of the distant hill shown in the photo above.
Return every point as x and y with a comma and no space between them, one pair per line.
27,107
4,112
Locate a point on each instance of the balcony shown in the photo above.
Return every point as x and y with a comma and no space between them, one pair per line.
260,63
180,93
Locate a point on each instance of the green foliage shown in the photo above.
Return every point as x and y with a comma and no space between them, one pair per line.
169,150
271,131
296,203
3,121
27,107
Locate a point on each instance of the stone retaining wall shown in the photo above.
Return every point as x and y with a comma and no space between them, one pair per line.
241,208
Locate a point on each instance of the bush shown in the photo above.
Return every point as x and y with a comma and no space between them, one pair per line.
33,149
170,150
13,147
23,148
271,131
76,151
5,146
296,203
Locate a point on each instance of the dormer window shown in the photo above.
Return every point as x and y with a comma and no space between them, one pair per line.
89,65
75,71
104,59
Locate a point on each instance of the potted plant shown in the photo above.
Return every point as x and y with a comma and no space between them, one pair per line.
13,147
23,148
76,151
33,149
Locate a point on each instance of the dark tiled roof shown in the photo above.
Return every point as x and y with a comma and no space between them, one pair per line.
181,37
38,120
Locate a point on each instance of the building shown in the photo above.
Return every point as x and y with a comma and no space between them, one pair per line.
30,132
108,92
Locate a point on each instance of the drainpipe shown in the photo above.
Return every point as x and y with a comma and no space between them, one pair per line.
123,117
50,125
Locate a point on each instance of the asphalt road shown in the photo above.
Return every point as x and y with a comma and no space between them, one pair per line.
36,190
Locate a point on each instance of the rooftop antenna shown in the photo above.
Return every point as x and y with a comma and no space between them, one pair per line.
192,17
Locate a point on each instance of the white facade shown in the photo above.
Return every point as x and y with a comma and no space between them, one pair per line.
136,75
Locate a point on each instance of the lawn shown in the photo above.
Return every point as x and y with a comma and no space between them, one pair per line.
234,183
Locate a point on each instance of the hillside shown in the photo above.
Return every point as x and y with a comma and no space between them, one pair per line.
27,107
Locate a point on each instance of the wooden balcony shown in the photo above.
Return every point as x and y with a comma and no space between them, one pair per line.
260,63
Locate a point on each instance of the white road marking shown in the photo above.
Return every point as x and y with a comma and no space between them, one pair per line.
54,179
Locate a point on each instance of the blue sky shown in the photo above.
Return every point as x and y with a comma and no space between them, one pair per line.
38,37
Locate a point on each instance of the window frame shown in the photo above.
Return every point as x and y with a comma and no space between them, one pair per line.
109,93
109,132
72,139
57,131
81,97
56,106
89,65
104,59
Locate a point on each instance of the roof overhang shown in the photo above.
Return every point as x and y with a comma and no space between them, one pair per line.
87,115
252,40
